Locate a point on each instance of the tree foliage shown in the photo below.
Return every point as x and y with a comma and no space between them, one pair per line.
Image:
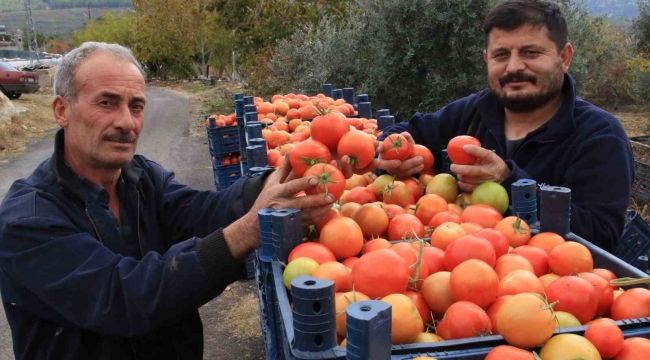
418,55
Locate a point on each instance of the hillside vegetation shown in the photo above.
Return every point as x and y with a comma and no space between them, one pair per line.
54,22
17,5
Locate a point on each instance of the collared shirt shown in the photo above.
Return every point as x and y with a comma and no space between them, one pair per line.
97,194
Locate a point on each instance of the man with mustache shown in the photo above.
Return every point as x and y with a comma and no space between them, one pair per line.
103,254
532,124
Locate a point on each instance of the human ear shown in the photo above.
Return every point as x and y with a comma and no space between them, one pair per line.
567,56
61,110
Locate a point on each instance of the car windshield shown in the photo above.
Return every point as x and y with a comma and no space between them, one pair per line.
6,67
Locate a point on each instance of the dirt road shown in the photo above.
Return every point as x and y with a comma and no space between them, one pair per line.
230,322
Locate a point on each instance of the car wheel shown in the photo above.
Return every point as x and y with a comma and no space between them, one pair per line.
14,96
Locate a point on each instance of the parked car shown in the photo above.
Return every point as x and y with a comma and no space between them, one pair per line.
14,82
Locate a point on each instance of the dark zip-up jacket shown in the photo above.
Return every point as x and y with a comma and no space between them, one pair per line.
73,288
582,147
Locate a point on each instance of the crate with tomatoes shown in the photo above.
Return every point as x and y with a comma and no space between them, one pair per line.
461,274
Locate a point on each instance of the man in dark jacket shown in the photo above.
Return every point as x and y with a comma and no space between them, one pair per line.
103,254
532,125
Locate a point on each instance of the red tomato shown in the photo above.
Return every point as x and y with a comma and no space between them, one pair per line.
393,210
349,262
421,305
474,281
435,259
520,281
568,257
343,237
397,193
515,229
372,220
374,245
360,195
307,153
575,295
607,337
430,205
275,139
511,262
497,239
457,154
380,273
484,215
633,303
469,247
493,309
463,320
272,156
427,156
537,257
330,180
329,128
507,352
604,291
410,256
634,349
359,147
607,275
415,188
405,226
395,147
444,217
336,272
315,251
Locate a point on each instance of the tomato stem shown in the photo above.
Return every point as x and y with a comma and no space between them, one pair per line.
518,228
629,281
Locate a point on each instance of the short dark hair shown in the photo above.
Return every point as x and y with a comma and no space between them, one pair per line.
513,14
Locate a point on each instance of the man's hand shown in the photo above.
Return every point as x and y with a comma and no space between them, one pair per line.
402,169
488,167
279,192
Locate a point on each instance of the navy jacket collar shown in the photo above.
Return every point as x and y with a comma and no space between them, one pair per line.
558,127
78,187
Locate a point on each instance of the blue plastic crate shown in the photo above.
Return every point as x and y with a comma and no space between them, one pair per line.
224,176
465,349
641,187
223,140
635,240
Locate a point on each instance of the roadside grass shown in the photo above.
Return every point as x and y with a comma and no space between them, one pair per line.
36,123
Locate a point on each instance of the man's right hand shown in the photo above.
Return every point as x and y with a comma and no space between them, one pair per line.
278,192
402,169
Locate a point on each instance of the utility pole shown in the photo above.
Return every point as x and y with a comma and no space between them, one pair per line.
31,33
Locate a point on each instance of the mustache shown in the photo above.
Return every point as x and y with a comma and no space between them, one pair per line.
120,137
518,76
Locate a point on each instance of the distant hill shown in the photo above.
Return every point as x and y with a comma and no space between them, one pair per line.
622,9
54,22
17,5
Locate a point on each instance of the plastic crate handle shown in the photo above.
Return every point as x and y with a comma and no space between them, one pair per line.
369,325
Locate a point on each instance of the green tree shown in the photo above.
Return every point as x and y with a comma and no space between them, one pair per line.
406,54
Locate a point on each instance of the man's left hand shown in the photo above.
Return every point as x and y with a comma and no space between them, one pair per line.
488,167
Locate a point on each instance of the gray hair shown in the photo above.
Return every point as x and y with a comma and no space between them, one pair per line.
64,84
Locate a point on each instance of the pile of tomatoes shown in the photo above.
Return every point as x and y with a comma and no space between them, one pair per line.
480,273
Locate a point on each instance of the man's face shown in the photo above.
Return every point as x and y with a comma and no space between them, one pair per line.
104,124
525,69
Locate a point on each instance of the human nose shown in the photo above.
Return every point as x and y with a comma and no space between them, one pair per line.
515,64
124,120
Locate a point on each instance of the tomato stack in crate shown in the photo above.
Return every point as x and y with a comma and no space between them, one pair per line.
289,271
223,142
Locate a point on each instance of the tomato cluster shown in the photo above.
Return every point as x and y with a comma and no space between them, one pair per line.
228,159
481,273
222,120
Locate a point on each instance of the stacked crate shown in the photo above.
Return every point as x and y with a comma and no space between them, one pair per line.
223,143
